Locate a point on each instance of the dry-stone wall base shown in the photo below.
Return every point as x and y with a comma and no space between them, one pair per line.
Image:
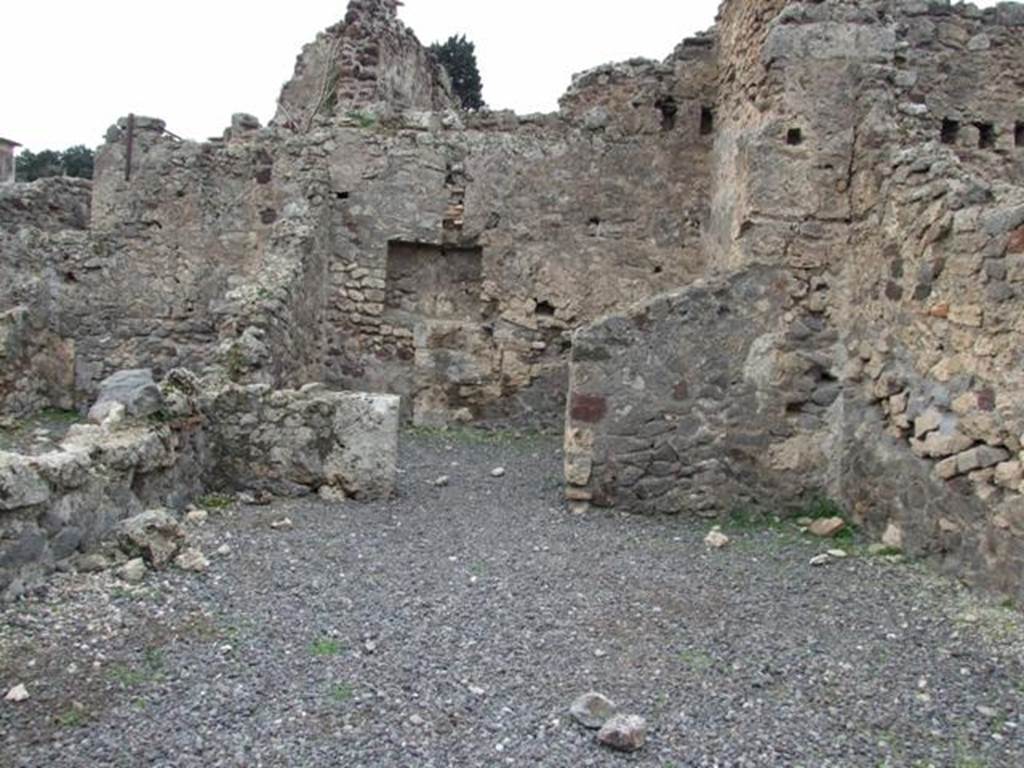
216,437
292,443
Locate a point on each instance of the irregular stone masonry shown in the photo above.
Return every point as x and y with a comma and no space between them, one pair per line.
853,167
204,437
869,150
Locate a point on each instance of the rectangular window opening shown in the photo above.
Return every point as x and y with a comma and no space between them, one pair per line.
986,135
707,121
794,137
950,131
1018,133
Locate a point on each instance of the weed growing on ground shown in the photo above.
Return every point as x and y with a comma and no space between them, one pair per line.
214,501
342,692
75,716
326,647
819,507
697,661
151,669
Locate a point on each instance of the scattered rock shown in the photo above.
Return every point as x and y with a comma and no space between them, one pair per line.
283,525
716,539
592,710
197,517
498,472
332,494
17,694
442,481
192,560
417,721
135,390
893,537
134,571
625,733
819,560
224,550
826,527
805,522
155,536
94,563
838,554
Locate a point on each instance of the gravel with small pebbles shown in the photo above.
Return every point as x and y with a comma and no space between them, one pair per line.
455,625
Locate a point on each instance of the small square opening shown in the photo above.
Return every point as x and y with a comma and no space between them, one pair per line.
986,135
707,121
1018,134
794,137
668,108
950,131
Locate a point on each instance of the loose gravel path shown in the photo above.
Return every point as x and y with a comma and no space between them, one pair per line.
454,625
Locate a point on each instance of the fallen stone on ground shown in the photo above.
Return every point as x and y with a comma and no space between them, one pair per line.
192,560
155,535
624,733
592,710
826,527
716,539
133,572
17,694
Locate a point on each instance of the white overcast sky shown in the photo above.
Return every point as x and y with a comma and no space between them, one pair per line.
72,67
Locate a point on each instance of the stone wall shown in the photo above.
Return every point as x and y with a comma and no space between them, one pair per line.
59,503
712,399
40,225
293,443
197,436
869,150
369,64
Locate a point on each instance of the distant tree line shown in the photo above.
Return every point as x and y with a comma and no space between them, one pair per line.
76,162
458,55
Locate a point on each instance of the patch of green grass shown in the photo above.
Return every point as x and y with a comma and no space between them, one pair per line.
821,506
743,518
75,716
696,661
342,692
214,501
151,669
59,416
325,646
362,119
478,569
885,552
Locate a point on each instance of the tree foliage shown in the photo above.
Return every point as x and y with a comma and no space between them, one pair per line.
75,161
458,55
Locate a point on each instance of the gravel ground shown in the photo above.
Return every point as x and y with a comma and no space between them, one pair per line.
453,626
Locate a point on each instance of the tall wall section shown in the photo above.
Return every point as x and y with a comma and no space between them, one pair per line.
872,152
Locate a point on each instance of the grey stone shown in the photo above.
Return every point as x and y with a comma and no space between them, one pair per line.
133,389
133,572
155,535
592,710
624,733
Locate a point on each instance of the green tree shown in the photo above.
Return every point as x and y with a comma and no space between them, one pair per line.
458,55
75,161
78,162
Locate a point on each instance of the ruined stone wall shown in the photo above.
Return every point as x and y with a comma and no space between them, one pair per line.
370,63
593,236
293,443
934,336
62,502
40,224
704,401
870,150
202,245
